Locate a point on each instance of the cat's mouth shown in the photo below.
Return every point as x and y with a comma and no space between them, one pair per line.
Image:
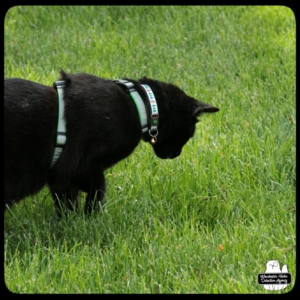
167,153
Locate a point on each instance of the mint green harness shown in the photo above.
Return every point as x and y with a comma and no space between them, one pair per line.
61,136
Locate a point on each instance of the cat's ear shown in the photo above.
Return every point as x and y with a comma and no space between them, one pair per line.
203,108
64,76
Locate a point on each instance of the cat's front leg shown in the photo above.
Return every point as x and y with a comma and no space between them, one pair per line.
64,198
96,194
91,181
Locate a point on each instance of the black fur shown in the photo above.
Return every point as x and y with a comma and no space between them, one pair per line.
102,128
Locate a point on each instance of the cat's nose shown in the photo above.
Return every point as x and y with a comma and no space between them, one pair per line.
172,153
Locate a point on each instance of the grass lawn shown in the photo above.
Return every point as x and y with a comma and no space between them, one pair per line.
205,222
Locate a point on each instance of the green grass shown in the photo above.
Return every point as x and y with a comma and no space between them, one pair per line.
205,222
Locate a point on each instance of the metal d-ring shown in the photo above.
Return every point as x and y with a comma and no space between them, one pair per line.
153,133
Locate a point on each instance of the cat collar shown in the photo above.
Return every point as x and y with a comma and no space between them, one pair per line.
130,88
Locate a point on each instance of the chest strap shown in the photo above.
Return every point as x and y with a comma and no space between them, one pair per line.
61,136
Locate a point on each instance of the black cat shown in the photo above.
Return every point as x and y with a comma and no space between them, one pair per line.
104,124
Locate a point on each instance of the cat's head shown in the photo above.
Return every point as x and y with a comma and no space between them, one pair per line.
178,115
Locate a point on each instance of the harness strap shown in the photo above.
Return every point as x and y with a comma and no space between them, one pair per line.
153,131
61,136
130,88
